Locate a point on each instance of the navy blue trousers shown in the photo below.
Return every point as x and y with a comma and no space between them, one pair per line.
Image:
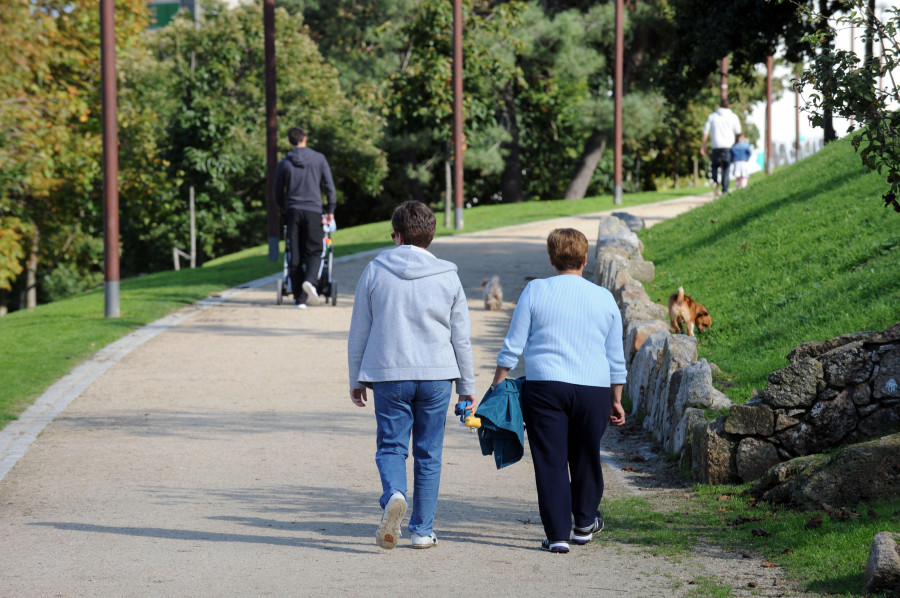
565,423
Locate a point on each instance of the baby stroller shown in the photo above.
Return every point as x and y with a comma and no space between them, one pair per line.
326,287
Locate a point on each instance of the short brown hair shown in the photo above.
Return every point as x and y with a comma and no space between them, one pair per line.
567,248
415,222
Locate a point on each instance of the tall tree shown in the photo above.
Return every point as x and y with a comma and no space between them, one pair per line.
50,134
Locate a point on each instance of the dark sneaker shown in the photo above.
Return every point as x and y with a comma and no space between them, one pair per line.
388,533
583,535
559,547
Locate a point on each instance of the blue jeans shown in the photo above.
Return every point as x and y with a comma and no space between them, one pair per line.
419,408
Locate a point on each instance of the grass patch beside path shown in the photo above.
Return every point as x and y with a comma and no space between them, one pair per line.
830,559
806,254
41,346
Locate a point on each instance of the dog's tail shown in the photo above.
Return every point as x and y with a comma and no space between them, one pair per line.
680,294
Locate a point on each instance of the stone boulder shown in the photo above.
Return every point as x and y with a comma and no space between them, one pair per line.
641,380
826,424
868,471
815,348
637,333
615,233
753,458
751,419
696,389
796,385
713,454
634,223
883,566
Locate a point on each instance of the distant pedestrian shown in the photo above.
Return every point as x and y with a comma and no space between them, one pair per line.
300,180
721,128
569,332
409,340
740,158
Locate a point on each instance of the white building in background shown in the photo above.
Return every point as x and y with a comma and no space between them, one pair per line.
784,109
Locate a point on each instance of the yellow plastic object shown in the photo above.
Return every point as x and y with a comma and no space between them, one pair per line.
473,422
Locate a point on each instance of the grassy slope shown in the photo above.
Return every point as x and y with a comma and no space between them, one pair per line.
808,253
40,346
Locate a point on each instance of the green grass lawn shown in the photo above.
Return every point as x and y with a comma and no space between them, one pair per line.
806,254
42,345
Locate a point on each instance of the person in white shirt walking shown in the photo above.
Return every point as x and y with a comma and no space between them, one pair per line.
722,129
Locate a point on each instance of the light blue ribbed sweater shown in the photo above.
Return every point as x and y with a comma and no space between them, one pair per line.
567,329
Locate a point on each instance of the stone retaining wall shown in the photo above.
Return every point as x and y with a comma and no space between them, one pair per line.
833,392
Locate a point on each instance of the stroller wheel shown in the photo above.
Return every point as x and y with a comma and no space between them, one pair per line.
279,287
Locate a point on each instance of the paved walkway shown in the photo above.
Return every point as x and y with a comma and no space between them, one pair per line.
219,455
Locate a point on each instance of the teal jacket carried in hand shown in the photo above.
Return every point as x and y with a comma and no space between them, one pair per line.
502,430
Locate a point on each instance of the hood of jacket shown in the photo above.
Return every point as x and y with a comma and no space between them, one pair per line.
410,262
297,156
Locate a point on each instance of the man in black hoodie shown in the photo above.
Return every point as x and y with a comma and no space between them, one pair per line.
299,181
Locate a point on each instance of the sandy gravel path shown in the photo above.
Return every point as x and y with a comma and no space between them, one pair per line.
223,457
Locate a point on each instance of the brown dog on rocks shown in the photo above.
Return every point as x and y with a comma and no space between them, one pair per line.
684,310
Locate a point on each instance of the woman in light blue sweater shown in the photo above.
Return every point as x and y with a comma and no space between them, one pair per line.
409,340
569,331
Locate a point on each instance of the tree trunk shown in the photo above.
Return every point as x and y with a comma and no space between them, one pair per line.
412,183
29,296
511,178
587,163
4,299
828,116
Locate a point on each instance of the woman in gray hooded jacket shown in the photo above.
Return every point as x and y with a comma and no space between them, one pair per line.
409,340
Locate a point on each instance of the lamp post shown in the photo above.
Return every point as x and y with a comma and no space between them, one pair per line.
458,146
617,101
110,159
271,128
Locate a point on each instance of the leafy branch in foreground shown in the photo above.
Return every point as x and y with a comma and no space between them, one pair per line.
863,91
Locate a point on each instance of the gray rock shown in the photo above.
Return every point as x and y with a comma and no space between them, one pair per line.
880,422
758,420
868,471
712,453
816,348
753,457
883,566
609,262
862,394
890,335
795,385
683,436
847,365
637,333
825,426
696,389
610,225
634,223
887,380
641,269
627,242
782,422
641,381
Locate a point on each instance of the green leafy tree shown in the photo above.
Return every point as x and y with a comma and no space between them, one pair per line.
50,136
215,129
845,85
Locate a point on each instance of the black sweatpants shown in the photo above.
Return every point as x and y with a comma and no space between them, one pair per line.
720,162
565,423
305,234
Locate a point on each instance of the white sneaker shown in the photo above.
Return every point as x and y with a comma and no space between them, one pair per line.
389,531
423,541
301,306
312,297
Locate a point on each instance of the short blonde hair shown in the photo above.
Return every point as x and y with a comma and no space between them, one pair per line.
567,248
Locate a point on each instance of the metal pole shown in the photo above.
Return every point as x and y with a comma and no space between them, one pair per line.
770,167
617,99
458,147
110,158
193,214
723,79
448,194
797,155
271,129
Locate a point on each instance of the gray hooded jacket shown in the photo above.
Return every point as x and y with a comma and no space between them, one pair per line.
410,322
